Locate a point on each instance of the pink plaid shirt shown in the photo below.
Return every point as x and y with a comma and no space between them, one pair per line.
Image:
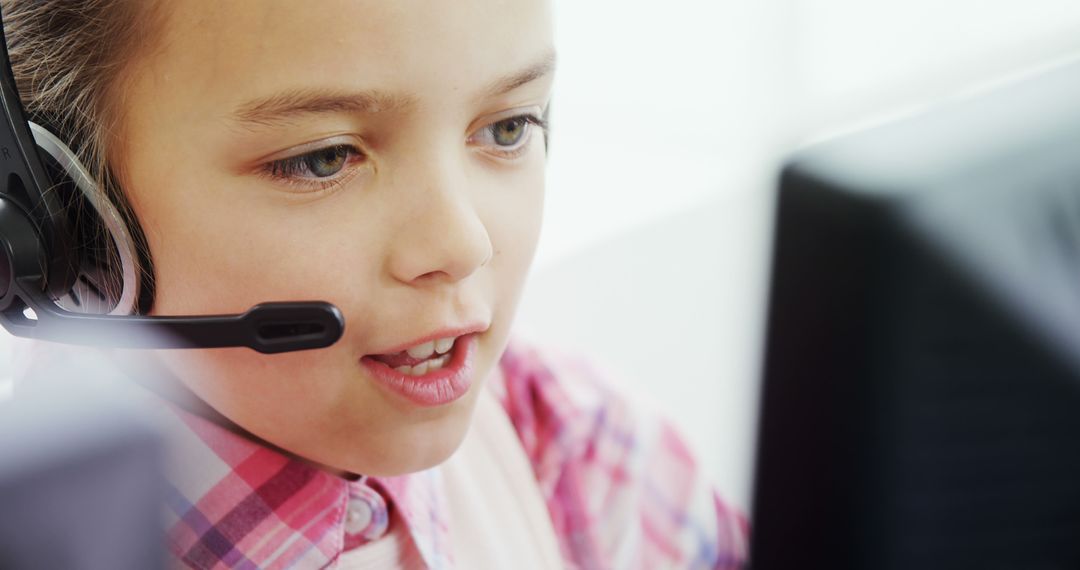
617,485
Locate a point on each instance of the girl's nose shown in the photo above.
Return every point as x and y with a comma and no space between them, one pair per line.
445,240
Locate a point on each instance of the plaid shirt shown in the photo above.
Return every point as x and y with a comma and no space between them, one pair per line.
621,488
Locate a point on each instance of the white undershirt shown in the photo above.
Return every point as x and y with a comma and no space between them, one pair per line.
497,519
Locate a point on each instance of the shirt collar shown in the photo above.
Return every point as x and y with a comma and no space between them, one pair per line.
235,501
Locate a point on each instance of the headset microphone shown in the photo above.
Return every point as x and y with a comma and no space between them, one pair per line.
51,288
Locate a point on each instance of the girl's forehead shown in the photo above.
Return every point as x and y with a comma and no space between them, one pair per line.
245,48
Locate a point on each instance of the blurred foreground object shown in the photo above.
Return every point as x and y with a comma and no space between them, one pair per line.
921,401
80,478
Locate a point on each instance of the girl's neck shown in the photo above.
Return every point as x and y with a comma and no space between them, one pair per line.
145,370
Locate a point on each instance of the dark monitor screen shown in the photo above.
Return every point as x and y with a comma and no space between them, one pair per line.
921,395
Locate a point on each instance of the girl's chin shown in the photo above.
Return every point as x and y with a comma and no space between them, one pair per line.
417,449
394,467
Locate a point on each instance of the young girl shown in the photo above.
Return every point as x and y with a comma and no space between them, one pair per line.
387,157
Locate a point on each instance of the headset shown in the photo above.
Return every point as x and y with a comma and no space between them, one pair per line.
69,267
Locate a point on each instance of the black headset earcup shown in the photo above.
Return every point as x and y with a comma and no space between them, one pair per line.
104,253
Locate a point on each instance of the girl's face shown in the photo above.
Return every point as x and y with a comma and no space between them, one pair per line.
381,155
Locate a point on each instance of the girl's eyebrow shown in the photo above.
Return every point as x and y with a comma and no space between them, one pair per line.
540,68
281,107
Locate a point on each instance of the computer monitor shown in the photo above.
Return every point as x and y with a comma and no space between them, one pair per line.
921,392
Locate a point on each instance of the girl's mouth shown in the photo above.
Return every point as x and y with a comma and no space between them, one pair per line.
420,359
429,374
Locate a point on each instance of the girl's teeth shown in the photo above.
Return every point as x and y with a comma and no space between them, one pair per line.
425,366
423,350
426,350
438,363
443,345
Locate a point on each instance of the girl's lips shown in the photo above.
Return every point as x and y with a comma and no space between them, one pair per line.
434,388
477,327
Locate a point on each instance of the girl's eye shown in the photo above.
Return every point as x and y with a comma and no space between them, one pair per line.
318,164
326,162
508,138
508,132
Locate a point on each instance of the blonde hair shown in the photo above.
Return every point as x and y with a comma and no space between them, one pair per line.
71,59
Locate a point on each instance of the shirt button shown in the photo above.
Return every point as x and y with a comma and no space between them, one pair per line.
366,516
